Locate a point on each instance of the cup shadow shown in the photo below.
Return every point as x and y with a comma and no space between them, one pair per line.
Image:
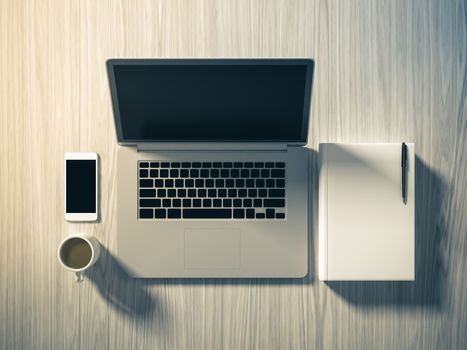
428,289
127,295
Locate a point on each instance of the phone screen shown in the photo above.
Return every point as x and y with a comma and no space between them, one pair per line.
80,186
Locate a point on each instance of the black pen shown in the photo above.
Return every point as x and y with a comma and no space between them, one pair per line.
404,172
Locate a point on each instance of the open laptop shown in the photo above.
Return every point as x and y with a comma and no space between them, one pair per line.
212,170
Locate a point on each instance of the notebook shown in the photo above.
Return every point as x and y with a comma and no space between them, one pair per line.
366,231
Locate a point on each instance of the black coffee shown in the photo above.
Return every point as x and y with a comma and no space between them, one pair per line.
76,253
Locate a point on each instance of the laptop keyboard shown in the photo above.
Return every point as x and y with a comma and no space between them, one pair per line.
211,190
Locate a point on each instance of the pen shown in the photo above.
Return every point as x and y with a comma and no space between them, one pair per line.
404,172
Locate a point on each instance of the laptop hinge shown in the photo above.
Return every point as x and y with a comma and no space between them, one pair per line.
212,146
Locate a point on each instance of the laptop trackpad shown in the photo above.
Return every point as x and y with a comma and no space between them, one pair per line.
212,248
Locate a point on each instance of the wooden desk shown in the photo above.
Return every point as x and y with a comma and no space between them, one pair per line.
385,71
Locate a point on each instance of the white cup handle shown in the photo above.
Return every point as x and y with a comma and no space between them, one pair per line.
79,276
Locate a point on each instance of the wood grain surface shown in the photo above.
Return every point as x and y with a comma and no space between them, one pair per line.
385,71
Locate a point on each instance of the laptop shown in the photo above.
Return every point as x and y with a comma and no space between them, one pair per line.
212,172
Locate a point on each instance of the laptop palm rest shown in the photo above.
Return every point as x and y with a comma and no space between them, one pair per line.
212,248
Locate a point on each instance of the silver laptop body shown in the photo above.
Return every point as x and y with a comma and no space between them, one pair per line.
212,173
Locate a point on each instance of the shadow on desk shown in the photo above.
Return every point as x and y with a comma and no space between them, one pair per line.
428,289
128,296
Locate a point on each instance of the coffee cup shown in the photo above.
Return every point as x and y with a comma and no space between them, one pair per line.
78,253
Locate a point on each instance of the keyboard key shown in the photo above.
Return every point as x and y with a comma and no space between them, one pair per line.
242,193
184,173
250,183
159,213
207,213
214,173
169,183
207,203
175,165
280,165
163,173
247,203
146,213
252,192
189,183
181,193
161,192
166,203
173,172
191,193
186,165
240,183
222,192
217,165
232,193
270,183
260,215
207,164
250,214
225,173
197,203
270,214
277,193
280,215
204,173
248,164
257,203
227,203
260,182
220,183
245,173
194,173
269,165
187,202
239,213
196,165
229,183
146,183
165,165
274,203
254,173
151,203
264,172
143,164
147,193
238,165
202,192
280,183
174,213
209,183
199,183
217,203
234,173
176,203
278,173
237,203
178,183
227,164
262,193
259,165
143,173
171,193
158,183
212,193
154,164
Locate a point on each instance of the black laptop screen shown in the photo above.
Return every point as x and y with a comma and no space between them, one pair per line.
211,102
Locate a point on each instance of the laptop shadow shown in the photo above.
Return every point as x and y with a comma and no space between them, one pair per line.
428,289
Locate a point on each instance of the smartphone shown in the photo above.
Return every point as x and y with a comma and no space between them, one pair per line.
81,186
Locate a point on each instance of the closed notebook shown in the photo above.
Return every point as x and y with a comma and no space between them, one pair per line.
366,231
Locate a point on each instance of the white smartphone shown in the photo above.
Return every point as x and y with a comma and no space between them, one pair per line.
81,186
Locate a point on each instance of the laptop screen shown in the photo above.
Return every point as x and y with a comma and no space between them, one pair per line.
211,100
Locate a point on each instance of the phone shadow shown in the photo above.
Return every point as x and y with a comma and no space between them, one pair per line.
429,287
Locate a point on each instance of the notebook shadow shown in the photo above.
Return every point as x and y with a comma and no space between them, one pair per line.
130,297
312,228
428,289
